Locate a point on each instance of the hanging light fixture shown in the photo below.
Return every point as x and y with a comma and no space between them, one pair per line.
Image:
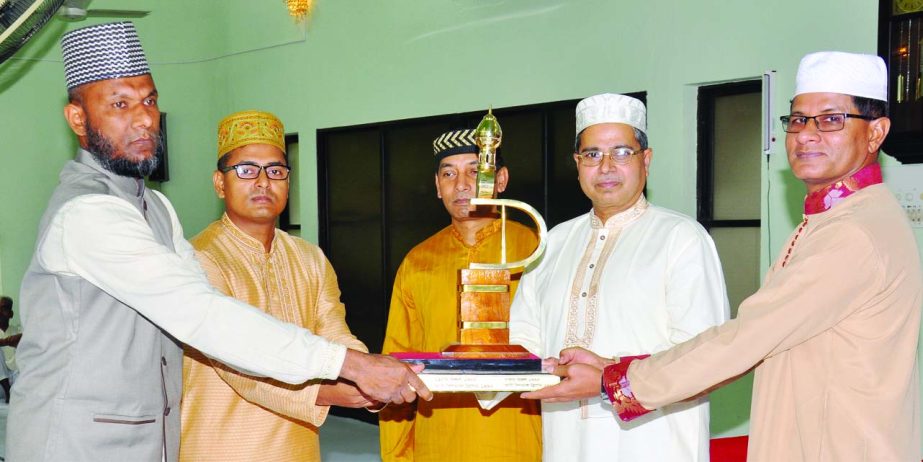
299,9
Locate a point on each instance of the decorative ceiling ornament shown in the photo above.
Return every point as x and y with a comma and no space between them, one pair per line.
299,9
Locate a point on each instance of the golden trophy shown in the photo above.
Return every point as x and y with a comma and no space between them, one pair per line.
483,360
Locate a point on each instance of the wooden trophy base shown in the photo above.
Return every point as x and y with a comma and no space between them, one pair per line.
483,360
460,350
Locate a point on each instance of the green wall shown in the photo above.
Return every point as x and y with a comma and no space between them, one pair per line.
358,61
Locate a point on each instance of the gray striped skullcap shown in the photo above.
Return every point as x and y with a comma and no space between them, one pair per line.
102,52
454,142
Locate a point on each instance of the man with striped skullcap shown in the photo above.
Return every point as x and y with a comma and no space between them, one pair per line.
113,288
228,415
424,317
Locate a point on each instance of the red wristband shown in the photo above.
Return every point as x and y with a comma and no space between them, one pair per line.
615,382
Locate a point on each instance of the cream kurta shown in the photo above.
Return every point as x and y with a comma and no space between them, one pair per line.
424,317
646,280
227,415
833,335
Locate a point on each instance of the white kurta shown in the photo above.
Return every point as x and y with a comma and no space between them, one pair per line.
647,279
105,241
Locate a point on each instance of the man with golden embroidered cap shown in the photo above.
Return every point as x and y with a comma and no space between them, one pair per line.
424,317
228,415
627,277
113,288
833,330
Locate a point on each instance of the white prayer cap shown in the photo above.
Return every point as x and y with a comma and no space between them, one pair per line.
102,52
611,108
848,73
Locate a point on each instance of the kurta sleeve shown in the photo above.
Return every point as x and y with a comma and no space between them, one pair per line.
106,241
331,313
404,333
295,401
695,292
526,317
827,279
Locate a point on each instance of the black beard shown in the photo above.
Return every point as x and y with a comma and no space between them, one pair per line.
104,152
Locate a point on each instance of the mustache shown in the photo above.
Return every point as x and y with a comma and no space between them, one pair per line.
155,135
610,178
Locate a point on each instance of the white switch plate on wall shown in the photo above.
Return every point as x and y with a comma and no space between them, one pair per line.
906,182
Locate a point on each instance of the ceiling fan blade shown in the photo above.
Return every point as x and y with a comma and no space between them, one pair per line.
19,20
79,4
104,13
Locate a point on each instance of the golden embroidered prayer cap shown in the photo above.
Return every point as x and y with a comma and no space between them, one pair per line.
250,127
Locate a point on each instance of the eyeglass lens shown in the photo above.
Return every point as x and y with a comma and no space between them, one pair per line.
251,171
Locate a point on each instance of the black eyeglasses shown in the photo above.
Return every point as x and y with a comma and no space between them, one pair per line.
250,171
824,122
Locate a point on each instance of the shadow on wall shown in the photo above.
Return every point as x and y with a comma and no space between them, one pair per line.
40,45
794,194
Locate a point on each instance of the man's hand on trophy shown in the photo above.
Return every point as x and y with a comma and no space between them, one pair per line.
342,393
384,378
578,381
577,355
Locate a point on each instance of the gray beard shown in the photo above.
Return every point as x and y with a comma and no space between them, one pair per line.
103,151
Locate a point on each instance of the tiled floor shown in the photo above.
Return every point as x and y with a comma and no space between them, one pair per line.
341,439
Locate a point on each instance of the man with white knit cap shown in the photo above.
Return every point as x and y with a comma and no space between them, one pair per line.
113,287
626,278
833,330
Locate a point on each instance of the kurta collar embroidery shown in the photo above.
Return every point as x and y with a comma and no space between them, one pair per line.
621,219
247,241
483,233
831,195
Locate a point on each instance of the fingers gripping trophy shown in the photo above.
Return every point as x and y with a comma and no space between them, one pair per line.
483,360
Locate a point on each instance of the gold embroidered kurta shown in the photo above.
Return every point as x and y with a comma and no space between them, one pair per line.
424,317
228,415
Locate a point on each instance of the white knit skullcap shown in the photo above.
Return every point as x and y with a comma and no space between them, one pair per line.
847,73
611,108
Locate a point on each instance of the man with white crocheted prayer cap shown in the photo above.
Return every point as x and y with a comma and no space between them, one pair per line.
113,288
832,332
626,278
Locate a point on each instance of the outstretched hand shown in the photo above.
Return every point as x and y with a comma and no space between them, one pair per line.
383,378
342,393
579,355
578,381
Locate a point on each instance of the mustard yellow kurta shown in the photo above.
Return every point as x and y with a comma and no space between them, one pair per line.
424,317
833,336
230,416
